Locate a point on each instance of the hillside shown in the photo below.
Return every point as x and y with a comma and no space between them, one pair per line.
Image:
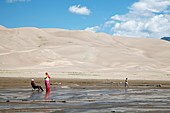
166,38
59,50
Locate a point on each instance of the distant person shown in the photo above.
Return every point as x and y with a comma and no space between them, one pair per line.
126,82
34,86
47,81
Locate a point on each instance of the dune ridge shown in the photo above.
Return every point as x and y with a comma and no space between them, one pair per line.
58,51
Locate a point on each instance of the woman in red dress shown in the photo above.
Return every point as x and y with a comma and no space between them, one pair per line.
47,81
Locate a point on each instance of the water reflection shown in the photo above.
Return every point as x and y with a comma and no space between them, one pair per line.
47,94
87,100
35,95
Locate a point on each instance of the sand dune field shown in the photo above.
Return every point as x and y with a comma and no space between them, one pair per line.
29,52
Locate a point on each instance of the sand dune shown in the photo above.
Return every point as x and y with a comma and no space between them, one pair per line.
59,50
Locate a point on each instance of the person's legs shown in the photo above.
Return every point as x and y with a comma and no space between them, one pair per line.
41,88
126,84
36,87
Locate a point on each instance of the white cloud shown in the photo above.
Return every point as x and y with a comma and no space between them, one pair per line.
13,1
79,10
93,29
116,17
108,23
146,18
151,5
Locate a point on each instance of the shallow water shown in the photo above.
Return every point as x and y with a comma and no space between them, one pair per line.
77,100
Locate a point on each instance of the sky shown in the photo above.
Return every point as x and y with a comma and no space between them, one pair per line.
131,18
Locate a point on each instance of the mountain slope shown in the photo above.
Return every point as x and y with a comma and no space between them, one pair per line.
65,50
166,38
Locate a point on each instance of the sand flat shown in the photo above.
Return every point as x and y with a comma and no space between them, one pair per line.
85,96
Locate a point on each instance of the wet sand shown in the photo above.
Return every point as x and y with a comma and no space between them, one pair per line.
85,96
13,82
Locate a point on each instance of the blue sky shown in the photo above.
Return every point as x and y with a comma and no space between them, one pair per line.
136,18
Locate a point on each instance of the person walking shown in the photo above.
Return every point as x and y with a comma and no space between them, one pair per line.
126,82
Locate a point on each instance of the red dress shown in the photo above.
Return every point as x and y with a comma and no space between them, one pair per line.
47,83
